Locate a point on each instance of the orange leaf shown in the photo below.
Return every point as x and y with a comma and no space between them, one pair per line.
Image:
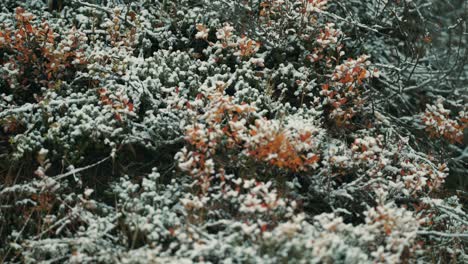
29,28
313,159
305,136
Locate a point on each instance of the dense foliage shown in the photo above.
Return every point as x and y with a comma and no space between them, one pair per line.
229,131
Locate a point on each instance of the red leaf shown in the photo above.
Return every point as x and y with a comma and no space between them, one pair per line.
29,28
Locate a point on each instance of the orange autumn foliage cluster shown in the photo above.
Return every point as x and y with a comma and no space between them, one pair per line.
439,124
248,47
344,92
226,126
279,148
118,103
35,57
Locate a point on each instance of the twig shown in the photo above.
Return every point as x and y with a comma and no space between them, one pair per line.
64,175
436,233
350,21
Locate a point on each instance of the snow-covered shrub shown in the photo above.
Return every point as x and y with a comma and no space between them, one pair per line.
217,131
